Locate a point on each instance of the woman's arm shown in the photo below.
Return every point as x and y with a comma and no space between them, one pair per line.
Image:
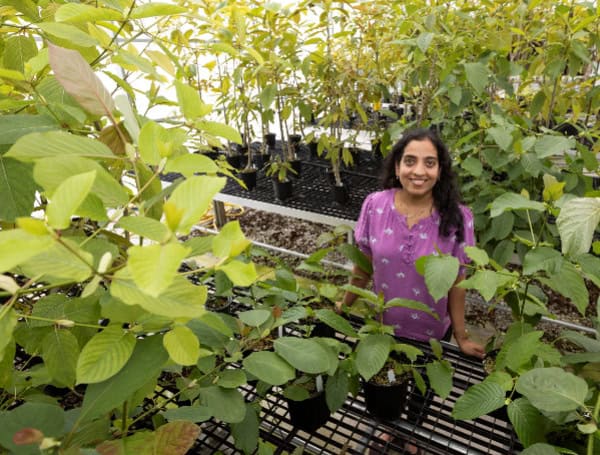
456,310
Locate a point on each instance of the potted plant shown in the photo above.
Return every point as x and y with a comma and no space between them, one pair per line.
278,171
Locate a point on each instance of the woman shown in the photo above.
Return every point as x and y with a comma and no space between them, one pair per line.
417,213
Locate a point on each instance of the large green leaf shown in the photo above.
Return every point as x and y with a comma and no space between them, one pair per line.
254,318
145,227
190,103
440,377
156,9
306,355
17,188
220,130
478,400
356,256
75,36
67,198
181,299
240,273
541,448
542,258
51,172
486,282
337,389
269,367
549,145
246,432
570,283
173,438
60,354
520,351
16,126
154,267
56,143
80,13
191,413
182,345
501,136
339,323
17,246
8,322
17,51
440,275
477,75
145,363
193,197
513,201
47,418
576,224
553,389
527,421
226,404
105,354
371,354
190,164
230,241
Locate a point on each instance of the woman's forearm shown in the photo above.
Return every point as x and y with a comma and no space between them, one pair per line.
360,279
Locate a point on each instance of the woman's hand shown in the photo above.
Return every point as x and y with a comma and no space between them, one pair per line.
470,347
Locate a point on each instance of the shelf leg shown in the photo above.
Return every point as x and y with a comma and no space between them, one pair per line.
220,215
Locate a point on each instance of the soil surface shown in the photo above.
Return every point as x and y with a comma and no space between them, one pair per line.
482,319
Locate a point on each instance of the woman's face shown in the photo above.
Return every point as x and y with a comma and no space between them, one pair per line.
418,169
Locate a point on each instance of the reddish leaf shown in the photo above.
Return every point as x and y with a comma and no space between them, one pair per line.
28,436
78,79
176,437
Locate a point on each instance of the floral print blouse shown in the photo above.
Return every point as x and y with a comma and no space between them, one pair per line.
383,234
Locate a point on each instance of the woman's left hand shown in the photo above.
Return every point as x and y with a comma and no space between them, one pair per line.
472,348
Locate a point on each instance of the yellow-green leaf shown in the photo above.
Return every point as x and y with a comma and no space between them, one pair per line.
230,241
154,267
105,354
17,246
190,164
190,103
156,9
69,33
240,273
60,352
67,198
145,227
74,13
182,345
8,322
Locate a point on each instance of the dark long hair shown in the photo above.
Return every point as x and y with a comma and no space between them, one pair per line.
446,195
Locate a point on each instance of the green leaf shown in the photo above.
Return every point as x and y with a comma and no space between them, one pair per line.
8,322
245,433
154,267
67,198
267,95
231,378
145,363
541,448
336,390
190,413
521,350
219,129
230,241
57,143
156,9
156,142
339,323
47,418
412,304
181,299
105,354
502,225
145,227
440,274
371,354
473,166
193,197
424,40
60,353
549,145
501,136
71,34
254,318
17,188
269,367
14,127
190,164
17,51
570,283
74,13
527,421
226,404
17,246
240,273
513,201
576,224
486,282
51,172
306,355
199,245
553,389
440,377
190,103
356,256
477,255
477,75
542,258
182,345
478,400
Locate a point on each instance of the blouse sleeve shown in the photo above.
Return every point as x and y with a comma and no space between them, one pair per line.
469,240
361,230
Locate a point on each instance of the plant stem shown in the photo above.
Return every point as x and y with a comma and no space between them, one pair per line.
591,437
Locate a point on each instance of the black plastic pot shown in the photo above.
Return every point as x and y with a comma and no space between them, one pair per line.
282,190
309,414
235,160
313,147
340,194
297,167
248,176
260,159
320,329
384,401
271,139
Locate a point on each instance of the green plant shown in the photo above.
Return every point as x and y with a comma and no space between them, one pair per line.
278,169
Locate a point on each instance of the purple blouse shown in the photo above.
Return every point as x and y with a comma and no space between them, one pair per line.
383,234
